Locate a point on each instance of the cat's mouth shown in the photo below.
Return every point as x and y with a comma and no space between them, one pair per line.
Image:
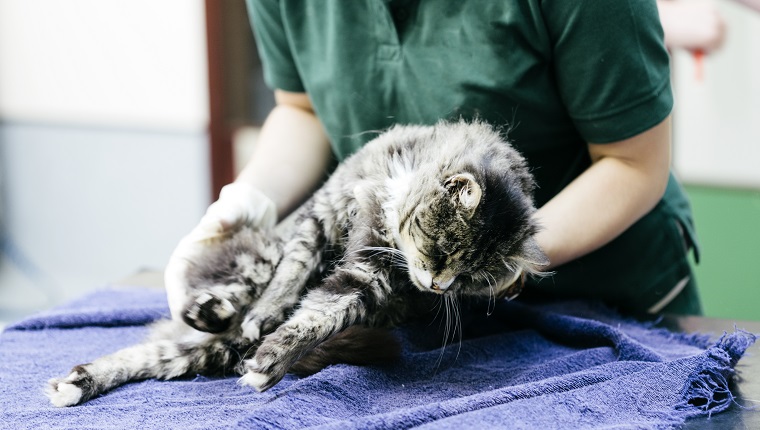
425,281
441,286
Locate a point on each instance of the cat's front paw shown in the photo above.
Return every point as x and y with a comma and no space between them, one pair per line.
71,390
209,312
269,365
260,380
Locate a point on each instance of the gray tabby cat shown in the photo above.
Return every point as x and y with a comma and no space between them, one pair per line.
422,214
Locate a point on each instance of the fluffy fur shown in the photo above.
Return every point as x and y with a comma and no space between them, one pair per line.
421,215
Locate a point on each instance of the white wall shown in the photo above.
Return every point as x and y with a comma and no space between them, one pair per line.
103,142
88,206
717,118
136,63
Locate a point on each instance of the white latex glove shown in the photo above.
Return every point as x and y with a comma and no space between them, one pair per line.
239,205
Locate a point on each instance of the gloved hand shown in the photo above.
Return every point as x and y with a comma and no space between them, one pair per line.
238,205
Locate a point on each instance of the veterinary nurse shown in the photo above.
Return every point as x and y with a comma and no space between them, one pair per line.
583,87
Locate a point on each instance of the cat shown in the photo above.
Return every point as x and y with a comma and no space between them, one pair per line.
421,215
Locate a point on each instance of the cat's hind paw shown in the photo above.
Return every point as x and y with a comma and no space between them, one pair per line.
69,391
210,313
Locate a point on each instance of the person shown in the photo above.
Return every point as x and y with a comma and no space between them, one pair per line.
583,87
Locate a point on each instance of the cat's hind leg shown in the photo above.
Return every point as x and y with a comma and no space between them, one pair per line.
214,309
228,277
158,357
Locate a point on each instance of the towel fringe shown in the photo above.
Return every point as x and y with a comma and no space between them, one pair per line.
736,344
706,391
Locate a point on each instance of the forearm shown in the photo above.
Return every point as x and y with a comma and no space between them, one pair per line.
621,186
291,156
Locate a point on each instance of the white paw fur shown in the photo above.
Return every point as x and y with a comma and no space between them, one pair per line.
255,380
62,392
251,330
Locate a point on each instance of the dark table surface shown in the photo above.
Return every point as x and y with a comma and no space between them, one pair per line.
746,387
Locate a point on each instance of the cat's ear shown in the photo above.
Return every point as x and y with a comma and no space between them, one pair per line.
465,191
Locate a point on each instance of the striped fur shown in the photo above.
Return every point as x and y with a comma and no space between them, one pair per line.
422,214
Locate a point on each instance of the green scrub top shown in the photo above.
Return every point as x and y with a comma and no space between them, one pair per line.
554,74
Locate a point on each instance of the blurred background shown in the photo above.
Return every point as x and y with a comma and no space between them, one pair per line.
121,120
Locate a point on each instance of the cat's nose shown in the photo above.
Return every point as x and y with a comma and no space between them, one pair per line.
439,285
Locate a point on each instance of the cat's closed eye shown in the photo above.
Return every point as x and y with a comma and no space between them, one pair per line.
454,256
447,247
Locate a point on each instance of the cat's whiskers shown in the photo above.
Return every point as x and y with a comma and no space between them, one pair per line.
345,256
445,321
342,259
397,257
491,280
457,322
452,326
439,306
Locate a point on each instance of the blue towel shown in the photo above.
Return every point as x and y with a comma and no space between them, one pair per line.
561,365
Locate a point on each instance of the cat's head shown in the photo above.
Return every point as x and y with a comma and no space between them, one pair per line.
470,229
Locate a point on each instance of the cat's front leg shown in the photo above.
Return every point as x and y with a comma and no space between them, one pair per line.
322,314
342,300
302,256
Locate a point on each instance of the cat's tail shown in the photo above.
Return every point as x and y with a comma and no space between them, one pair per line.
356,345
159,357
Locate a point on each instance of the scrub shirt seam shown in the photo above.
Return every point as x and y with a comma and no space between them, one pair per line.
628,107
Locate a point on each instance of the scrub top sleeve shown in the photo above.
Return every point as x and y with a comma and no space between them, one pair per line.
280,70
611,65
